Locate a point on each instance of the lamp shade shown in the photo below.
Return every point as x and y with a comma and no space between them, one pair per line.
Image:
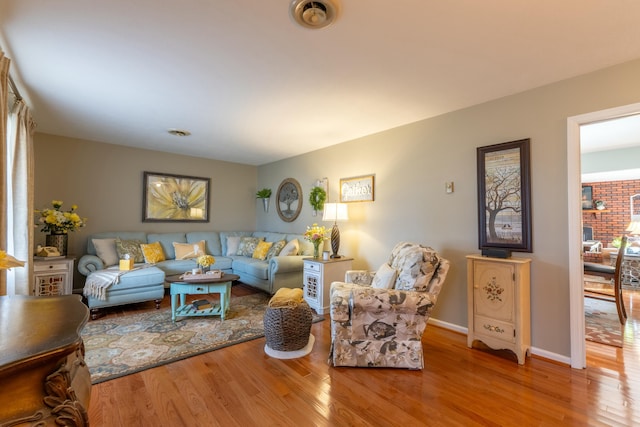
335,212
633,228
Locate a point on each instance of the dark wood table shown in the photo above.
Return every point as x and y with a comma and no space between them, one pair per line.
44,380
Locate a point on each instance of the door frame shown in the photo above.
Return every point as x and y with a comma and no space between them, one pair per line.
574,212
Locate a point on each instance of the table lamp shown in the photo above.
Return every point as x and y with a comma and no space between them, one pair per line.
335,212
633,228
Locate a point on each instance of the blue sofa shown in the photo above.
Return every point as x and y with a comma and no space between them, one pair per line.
147,284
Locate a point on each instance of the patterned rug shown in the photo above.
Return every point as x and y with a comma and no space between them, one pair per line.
120,346
602,324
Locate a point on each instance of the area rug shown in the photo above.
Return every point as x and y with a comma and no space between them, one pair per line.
120,346
601,322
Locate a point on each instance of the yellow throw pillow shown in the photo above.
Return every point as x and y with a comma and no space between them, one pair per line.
189,250
261,250
152,252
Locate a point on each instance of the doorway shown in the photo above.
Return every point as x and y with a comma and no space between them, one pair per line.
574,209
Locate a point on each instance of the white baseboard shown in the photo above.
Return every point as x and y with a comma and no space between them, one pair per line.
534,350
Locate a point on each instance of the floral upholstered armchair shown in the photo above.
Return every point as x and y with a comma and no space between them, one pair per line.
378,319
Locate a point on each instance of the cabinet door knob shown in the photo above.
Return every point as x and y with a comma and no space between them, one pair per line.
200,289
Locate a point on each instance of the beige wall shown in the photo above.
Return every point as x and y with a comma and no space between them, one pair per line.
412,163
105,181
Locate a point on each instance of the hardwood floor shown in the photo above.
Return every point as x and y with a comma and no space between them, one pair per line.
242,386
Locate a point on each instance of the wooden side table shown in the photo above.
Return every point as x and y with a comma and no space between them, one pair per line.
317,277
53,276
499,311
43,376
180,288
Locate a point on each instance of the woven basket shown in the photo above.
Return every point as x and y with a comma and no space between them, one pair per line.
287,328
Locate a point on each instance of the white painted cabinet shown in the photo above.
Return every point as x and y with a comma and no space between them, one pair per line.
318,275
499,312
53,276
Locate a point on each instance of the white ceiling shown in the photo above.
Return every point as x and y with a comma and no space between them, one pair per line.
253,87
614,134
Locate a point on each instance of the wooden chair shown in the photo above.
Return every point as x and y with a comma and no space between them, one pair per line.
609,272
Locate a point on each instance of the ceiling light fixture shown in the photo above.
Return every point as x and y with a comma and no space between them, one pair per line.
313,14
178,132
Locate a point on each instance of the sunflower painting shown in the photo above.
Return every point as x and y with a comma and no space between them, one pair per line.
175,198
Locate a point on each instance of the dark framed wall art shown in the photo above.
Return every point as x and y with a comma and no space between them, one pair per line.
175,198
504,196
587,197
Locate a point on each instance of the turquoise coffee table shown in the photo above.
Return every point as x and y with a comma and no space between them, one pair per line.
182,288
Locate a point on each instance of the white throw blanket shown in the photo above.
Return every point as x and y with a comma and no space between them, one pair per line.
99,281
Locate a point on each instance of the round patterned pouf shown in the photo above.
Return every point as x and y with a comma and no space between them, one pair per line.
288,331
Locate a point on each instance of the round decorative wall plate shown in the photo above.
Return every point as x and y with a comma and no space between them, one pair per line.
289,200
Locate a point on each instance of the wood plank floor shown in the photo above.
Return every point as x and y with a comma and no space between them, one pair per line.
242,386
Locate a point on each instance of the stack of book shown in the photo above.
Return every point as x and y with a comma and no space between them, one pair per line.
201,304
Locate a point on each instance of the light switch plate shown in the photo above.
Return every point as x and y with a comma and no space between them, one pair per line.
448,186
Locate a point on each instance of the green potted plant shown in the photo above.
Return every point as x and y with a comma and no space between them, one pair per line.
317,197
265,195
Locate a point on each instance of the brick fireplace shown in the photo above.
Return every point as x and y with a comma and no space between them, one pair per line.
612,221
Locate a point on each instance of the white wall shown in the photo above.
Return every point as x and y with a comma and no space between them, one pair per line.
611,160
412,163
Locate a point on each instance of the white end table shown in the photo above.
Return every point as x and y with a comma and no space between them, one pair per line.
318,275
53,275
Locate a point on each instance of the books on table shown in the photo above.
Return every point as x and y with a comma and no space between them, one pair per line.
201,304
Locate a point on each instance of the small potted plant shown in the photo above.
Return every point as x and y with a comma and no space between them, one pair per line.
265,195
317,197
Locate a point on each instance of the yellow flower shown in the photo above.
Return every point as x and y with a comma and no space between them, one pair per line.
315,234
176,198
7,261
60,222
205,260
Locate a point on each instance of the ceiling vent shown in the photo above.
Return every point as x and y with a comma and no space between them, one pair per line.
179,132
313,14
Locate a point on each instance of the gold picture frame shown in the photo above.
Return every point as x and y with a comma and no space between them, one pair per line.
175,198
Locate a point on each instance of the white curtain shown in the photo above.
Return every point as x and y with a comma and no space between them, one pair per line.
4,96
20,180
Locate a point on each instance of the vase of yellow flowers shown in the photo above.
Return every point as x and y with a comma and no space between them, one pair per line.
205,262
316,235
58,223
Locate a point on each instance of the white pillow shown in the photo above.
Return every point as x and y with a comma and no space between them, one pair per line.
106,251
385,277
291,248
233,243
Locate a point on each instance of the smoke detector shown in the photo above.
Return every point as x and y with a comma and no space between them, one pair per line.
313,14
